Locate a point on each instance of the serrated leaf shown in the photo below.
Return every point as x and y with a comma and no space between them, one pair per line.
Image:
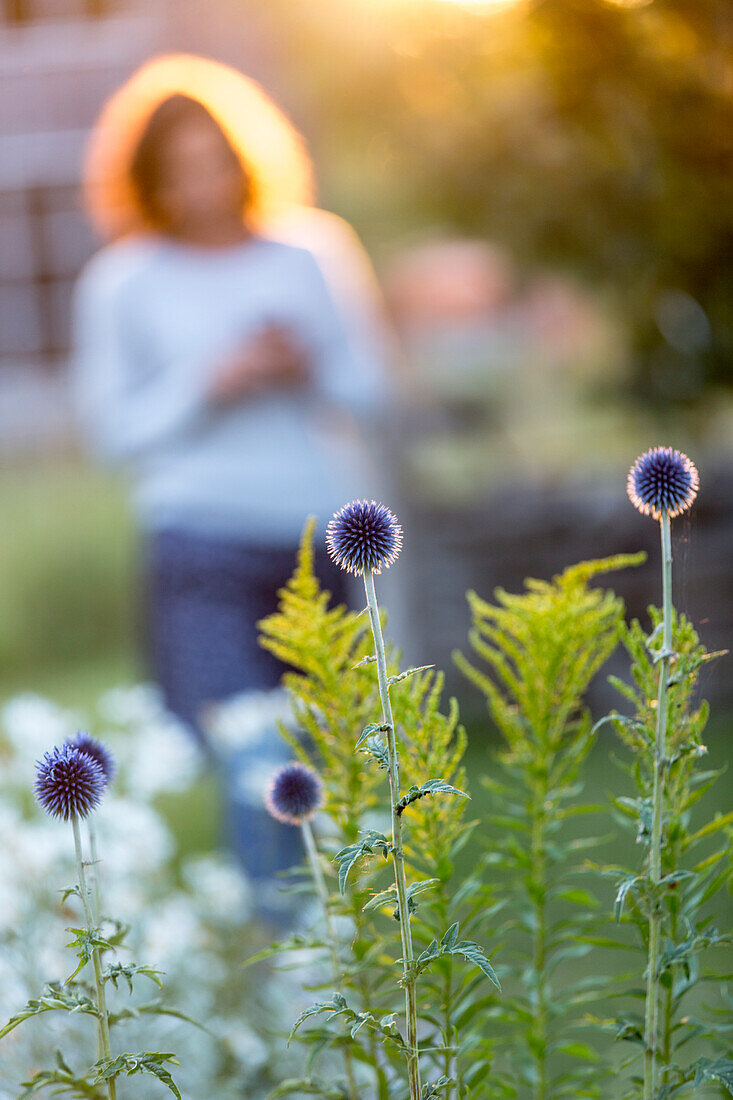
305,1086
622,892
720,1070
451,945
377,749
54,999
408,672
434,1088
86,942
432,787
147,1061
115,971
369,660
348,856
336,1006
384,897
368,731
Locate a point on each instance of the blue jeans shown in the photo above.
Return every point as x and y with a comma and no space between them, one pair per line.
205,596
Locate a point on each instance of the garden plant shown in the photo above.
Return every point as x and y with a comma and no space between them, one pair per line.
456,952
70,783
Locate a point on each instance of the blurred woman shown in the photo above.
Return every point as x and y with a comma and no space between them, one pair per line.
214,363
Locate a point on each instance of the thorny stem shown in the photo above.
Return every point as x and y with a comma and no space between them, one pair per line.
322,890
651,1065
413,1055
98,980
539,945
95,871
96,908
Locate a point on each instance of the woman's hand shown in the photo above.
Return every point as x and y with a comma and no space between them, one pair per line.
273,358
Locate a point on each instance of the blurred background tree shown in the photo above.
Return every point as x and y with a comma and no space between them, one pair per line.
585,134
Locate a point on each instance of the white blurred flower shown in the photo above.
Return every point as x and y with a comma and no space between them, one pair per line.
243,720
34,725
133,838
170,930
220,888
242,1041
138,704
159,759
188,921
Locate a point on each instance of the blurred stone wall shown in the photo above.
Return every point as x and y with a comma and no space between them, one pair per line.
536,532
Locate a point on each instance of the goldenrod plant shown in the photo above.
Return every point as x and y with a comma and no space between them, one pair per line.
535,654
365,721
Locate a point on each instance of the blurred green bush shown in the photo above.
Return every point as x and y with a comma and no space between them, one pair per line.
66,571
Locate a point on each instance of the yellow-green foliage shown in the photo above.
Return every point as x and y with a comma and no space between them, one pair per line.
335,696
695,864
333,700
542,649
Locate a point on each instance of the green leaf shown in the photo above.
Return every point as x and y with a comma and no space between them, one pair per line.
86,943
384,897
409,672
337,1006
432,787
154,1008
622,892
305,1086
369,660
389,896
451,945
368,731
707,1070
377,749
53,999
147,1061
433,1089
115,971
347,857
296,942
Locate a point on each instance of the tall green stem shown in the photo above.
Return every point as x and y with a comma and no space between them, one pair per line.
539,940
96,904
322,890
97,910
98,980
651,1051
398,859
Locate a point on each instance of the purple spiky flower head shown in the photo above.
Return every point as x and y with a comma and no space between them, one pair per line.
662,481
294,794
99,752
69,782
364,536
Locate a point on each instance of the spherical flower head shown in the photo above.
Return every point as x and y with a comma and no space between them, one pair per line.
364,537
96,750
662,481
295,794
68,782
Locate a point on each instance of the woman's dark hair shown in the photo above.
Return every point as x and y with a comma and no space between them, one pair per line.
145,163
131,124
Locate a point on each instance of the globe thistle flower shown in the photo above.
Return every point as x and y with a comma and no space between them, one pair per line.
294,794
364,537
69,783
99,752
662,481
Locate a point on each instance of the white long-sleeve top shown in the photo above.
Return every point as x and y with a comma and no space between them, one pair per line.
154,319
